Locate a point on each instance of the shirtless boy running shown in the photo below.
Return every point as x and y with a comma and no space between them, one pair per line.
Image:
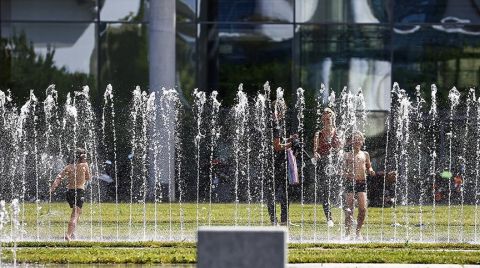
357,164
77,173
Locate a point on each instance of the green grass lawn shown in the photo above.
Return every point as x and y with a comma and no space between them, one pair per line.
159,238
175,222
185,252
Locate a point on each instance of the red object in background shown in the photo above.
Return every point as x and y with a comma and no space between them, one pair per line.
458,181
438,193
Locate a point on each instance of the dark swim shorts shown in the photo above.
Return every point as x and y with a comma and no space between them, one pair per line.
75,197
358,186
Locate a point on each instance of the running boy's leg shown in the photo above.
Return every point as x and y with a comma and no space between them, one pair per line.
72,224
348,212
362,211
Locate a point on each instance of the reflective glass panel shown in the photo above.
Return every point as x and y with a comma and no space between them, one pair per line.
123,58
346,55
185,10
249,54
360,11
246,10
436,11
123,10
41,54
48,10
123,63
186,58
445,56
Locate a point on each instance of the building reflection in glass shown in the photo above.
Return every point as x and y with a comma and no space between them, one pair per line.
434,11
364,44
442,54
342,11
353,56
35,54
249,54
246,11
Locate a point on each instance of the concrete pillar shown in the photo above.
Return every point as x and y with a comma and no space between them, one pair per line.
241,247
162,44
161,48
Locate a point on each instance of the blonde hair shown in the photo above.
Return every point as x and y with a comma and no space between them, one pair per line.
332,113
358,134
328,109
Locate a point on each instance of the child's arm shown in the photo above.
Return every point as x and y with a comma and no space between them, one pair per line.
58,180
278,146
368,165
87,172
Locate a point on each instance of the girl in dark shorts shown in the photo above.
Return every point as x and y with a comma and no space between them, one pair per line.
77,173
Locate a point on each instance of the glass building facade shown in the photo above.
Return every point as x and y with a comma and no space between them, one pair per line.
366,44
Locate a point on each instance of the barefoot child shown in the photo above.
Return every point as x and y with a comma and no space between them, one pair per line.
77,173
357,164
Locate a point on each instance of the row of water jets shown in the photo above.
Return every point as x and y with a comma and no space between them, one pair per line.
37,139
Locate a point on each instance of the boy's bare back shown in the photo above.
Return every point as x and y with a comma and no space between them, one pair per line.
76,174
